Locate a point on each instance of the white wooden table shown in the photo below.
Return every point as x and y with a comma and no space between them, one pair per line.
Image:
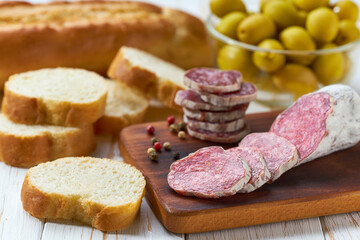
16,224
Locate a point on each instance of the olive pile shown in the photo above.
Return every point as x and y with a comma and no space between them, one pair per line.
287,25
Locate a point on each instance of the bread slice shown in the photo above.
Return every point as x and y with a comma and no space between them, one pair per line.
26,146
100,192
151,75
58,96
124,106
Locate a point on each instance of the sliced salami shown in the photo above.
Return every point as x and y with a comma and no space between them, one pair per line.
210,172
279,154
247,93
192,100
230,137
322,122
212,80
217,116
231,126
259,171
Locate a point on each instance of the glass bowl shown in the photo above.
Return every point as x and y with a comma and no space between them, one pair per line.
272,89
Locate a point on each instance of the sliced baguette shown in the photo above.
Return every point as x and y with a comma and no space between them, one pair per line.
100,192
151,75
124,106
58,96
26,146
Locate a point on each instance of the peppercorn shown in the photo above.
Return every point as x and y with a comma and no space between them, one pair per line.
176,156
182,126
149,150
173,128
153,156
154,140
167,146
157,146
150,129
182,135
170,119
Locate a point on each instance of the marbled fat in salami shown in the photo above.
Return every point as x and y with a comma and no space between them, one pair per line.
322,122
259,171
212,80
210,172
279,154
247,93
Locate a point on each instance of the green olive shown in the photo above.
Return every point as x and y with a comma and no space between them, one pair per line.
309,5
348,32
222,7
268,61
297,38
329,68
346,9
229,23
296,79
236,58
322,24
283,13
256,28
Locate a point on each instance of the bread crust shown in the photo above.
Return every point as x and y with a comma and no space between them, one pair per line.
169,34
45,205
29,151
29,110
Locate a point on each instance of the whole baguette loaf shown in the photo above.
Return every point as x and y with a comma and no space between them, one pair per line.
88,34
28,145
100,192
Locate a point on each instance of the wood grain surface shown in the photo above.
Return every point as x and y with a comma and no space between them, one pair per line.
329,185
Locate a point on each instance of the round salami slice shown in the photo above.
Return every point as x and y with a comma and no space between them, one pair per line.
212,80
322,122
192,100
210,172
231,126
217,116
230,137
259,171
279,154
247,93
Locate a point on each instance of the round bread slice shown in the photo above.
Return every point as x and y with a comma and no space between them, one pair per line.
246,94
210,172
58,96
100,192
124,106
212,80
231,126
26,146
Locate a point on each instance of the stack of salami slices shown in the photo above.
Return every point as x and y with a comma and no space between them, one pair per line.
316,125
215,104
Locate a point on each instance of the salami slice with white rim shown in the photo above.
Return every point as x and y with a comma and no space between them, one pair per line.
212,80
279,154
230,137
231,126
210,172
247,93
217,116
259,171
322,122
192,100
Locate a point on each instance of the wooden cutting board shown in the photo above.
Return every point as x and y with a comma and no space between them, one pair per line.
326,186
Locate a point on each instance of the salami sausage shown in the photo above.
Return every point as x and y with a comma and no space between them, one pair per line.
247,93
210,172
192,100
231,126
259,171
212,80
279,154
230,137
322,122
217,116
